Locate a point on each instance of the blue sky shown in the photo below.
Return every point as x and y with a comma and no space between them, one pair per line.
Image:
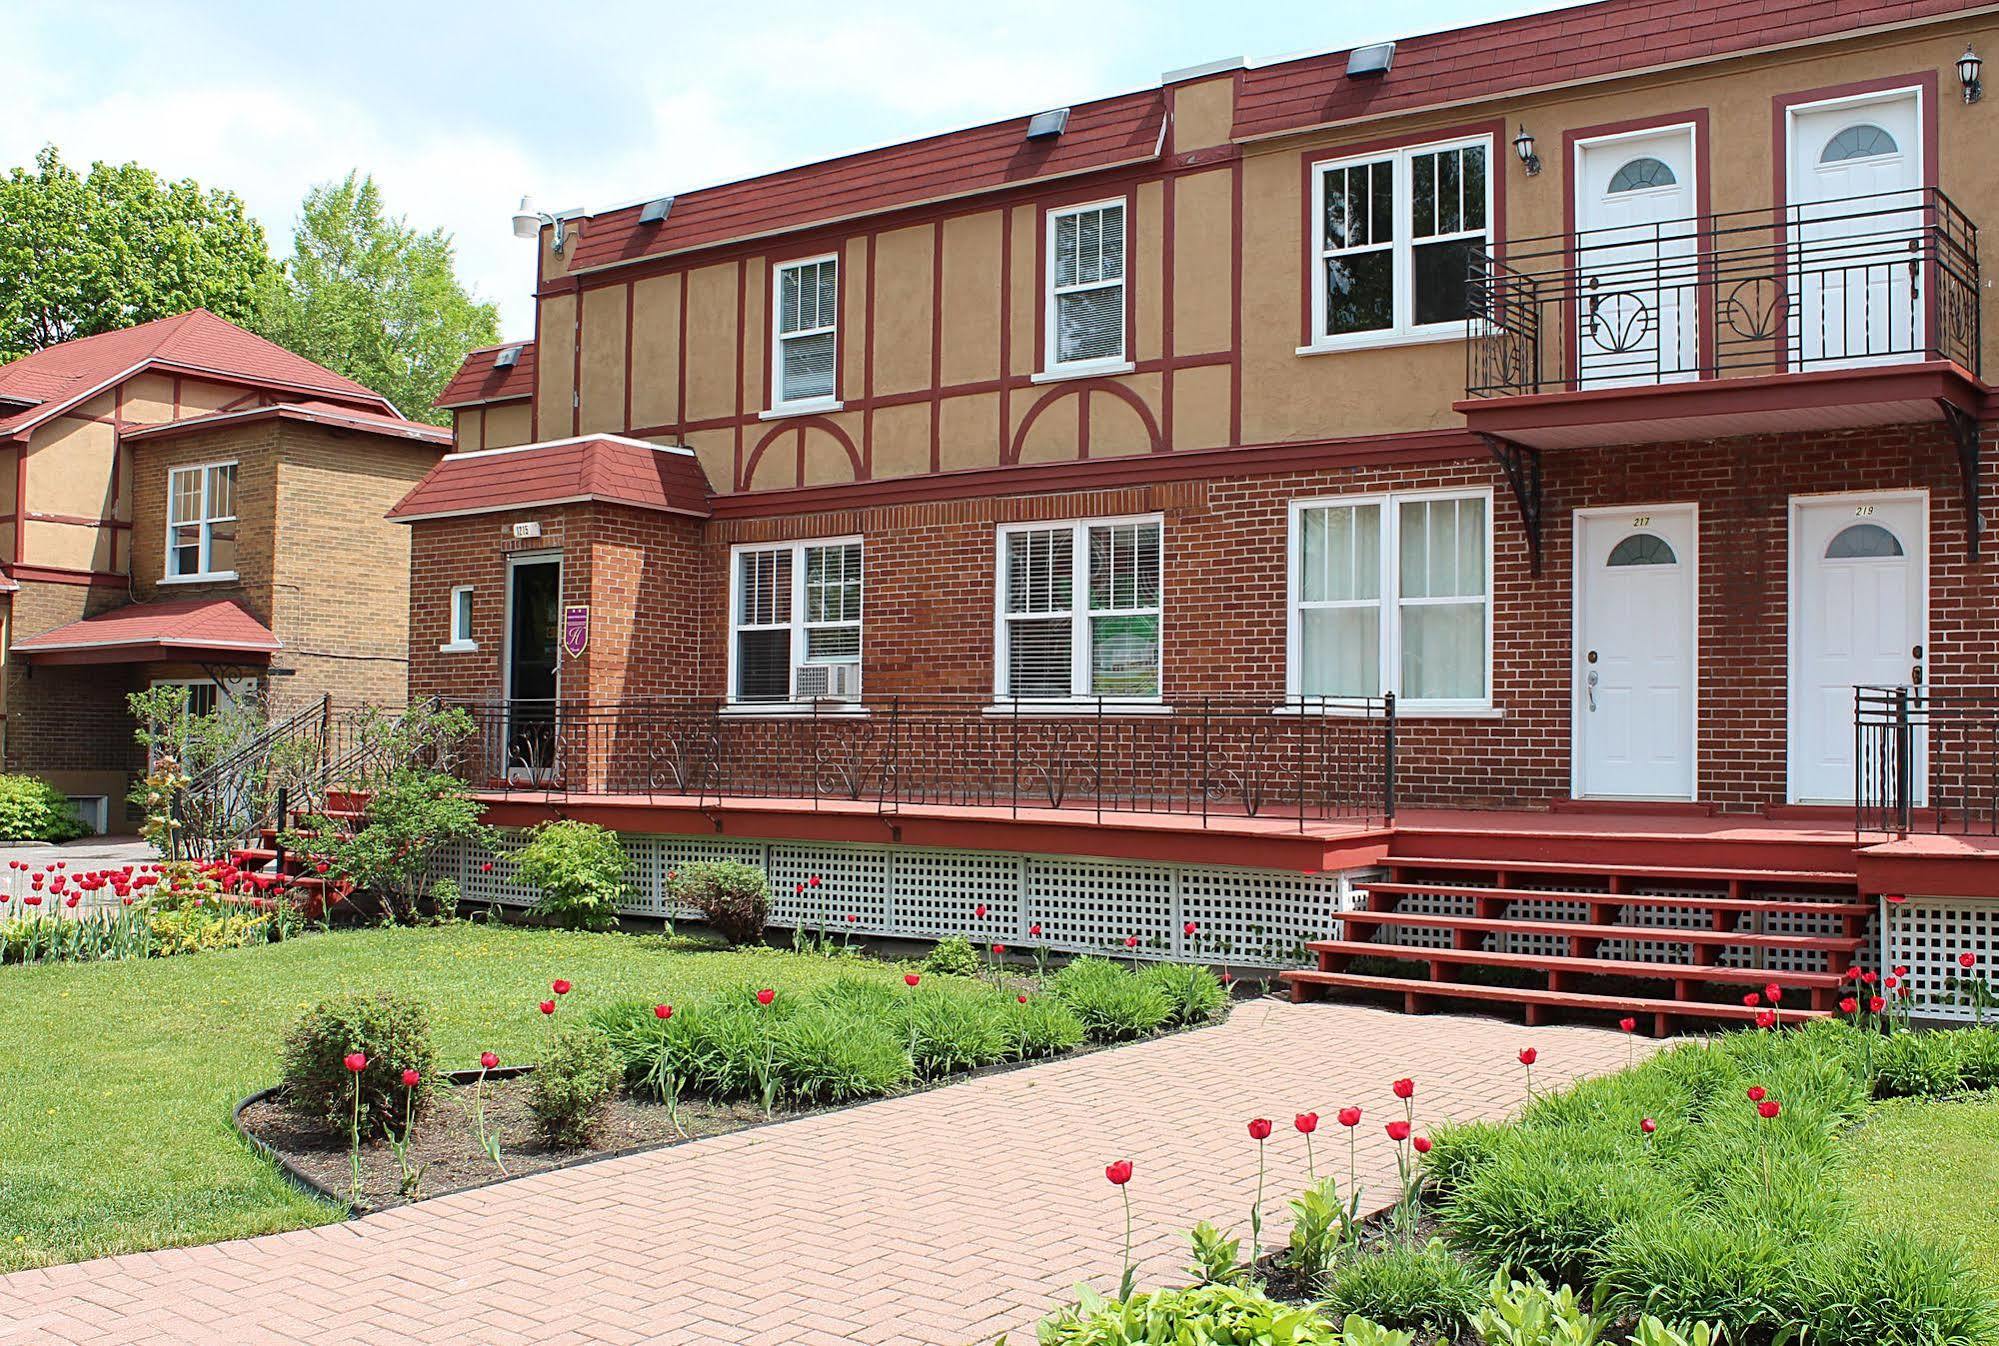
459,108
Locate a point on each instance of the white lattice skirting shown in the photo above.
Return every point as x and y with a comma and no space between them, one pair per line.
1927,934
1248,917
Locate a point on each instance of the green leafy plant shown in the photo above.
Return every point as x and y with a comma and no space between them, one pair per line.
572,1086
1113,1003
1203,1315
413,815
1039,1026
1194,994
1528,1313
1217,1257
578,869
953,957
733,898
31,809
826,1053
1321,1225
953,1030
391,1031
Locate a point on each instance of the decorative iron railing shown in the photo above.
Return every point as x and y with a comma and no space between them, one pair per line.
1310,760
1878,279
1925,761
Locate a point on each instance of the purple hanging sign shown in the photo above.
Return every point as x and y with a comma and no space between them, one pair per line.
575,630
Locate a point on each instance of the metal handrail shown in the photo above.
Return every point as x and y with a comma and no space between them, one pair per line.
1925,760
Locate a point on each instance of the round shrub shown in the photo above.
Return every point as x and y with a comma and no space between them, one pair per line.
571,1088
734,899
825,1055
1428,1289
953,957
31,809
392,1031
1113,1004
578,869
1194,994
1040,1026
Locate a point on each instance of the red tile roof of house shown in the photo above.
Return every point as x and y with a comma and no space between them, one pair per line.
194,342
140,632
329,414
1110,131
607,468
478,380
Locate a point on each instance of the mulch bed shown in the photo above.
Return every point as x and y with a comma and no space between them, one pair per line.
446,1143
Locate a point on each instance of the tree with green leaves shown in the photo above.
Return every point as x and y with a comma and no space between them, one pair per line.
369,296
84,253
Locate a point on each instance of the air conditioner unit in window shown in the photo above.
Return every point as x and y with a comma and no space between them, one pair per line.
827,682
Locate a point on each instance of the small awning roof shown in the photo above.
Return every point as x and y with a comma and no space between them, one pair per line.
606,468
214,630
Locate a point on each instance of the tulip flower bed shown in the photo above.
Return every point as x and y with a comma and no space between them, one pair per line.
51,913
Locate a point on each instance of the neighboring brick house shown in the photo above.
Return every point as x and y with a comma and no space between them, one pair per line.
192,503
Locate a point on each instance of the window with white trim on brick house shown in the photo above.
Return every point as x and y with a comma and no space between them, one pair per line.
1393,593
795,622
201,522
1086,287
1079,610
806,337
1394,234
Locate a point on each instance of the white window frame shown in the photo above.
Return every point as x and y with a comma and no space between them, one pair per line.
459,639
798,625
779,404
1391,603
1404,330
1052,366
1080,696
207,522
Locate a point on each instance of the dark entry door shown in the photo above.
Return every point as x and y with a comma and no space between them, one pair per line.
533,654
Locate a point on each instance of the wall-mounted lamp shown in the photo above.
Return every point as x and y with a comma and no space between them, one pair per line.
1968,66
1523,145
528,222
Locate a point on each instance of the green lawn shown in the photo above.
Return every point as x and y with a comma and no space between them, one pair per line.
1934,1165
117,1079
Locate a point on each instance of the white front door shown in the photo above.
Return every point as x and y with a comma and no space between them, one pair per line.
1856,208
1637,578
1636,259
1859,580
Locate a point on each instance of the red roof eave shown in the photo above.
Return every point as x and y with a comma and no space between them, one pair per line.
331,417
185,628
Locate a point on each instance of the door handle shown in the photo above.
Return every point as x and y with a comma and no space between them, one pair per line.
1916,676
1590,683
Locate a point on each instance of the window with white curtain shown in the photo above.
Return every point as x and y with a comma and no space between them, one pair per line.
201,522
1086,286
807,331
1080,605
795,618
1393,594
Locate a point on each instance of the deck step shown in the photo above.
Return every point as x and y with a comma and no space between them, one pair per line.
1308,984
1564,964
1814,878
1803,906
1644,934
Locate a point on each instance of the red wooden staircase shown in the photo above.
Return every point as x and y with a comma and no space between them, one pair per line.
308,887
1615,925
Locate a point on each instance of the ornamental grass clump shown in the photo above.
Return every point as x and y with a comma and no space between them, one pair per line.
1425,1288
1037,1026
391,1031
1113,1003
829,1054
1194,995
572,1086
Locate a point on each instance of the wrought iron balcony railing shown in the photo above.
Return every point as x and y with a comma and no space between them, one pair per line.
1867,280
1315,760
1926,761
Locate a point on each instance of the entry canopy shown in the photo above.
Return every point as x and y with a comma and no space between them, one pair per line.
213,630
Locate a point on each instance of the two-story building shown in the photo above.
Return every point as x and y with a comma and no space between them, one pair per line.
1172,510
190,503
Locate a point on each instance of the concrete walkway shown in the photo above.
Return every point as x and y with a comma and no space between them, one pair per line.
937,1219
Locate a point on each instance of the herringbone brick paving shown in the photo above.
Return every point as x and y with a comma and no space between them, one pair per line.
936,1219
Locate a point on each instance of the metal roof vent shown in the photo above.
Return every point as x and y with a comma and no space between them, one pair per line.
1048,125
654,212
507,358
1370,62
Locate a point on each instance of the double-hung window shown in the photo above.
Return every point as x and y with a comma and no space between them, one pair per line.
805,343
1393,594
1086,300
201,522
1079,607
1394,235
796,622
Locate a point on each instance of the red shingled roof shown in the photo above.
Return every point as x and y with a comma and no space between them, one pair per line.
607,468
143,632
1535,50
194,342
1099,135
330,414
477,380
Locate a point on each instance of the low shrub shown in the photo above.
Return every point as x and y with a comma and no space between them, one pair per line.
722,1047
1039,1026
1114,1004
952,1030
187,927
578,869
1882,1286
1217,1314
1928,1064
826,1054
734,899
1426,1289
392,1031
1193,993
953,957
31,809
572,1086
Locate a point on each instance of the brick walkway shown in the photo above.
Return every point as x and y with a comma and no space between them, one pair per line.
938,1219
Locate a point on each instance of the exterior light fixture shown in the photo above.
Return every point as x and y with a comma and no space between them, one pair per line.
1523,145
528,222
1968,66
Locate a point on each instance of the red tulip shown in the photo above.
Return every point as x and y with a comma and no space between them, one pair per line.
356,1062
1398,1131
1849,1005
548,1007
1767,1019
1967,960
1773,993
1349,1116
1404,1088
72,899
1306,1122
852,919
1868,978
561,987
813,881
322,867
1752,1000
1902,971
798,890
1022,997
33,900
999,950
1035,929
1528,1056
662,1012
1768,1108
979,910
488,1060
411,1079
1259,1128
1131,941
1628,1025
1876,1004
1647,1125
1421,1144
1189,928
1757,1093
910,979
486,868
765,996
1119,1173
